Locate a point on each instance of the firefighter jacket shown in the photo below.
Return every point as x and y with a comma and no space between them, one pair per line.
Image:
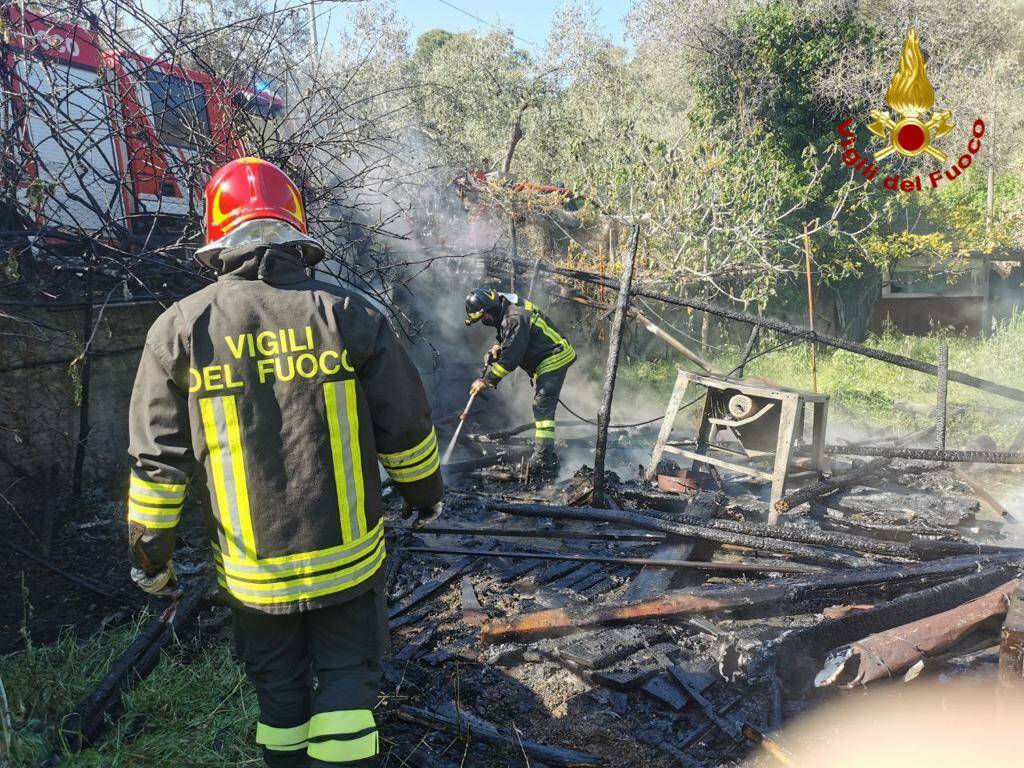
528,340
274,396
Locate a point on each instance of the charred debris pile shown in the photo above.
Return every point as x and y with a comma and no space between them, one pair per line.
681,617
679,628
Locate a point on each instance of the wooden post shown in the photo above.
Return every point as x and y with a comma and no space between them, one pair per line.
612,367
675,404
940,399
810,309
789,407
1011,646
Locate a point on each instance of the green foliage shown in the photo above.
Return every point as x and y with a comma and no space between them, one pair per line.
718,134
774,56
194,710
429,43
478,85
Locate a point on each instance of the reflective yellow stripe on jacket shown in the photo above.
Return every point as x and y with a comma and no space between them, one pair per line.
153,504
340,398
545,430
293,578
559,359
416,463
556,361
227,470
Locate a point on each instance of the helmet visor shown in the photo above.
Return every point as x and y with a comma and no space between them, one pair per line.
472,317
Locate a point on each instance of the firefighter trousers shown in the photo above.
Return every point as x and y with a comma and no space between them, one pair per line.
546,390
317,676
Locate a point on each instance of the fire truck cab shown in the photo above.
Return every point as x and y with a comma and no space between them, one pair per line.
105,142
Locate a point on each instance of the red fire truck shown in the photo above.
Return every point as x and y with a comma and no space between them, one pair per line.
104,138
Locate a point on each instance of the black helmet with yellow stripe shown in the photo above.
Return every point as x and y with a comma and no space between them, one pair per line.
484,304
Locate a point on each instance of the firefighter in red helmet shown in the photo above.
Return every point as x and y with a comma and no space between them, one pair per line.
273,396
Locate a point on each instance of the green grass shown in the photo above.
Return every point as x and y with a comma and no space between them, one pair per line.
863,390
196,709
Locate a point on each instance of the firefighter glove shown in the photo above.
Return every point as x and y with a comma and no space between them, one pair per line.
161,584
492,354
479,385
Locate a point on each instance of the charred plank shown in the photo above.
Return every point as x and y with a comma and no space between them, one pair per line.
1011,645
569,562
830,485
786,594
804,650
706,533
894,651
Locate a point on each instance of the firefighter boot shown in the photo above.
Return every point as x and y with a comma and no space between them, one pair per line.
544,463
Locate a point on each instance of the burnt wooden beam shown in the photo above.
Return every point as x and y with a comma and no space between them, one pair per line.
797,656
830,485
467,726
634,519
802,534
894,651
611,369
82,726
666,563
494,531
915,549
927,454
787,595
1011,645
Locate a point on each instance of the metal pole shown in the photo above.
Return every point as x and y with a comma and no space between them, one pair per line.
940,401
612,366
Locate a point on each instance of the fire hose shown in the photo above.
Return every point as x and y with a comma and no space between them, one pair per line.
462,417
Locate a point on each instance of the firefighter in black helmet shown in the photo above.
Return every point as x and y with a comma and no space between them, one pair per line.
527,339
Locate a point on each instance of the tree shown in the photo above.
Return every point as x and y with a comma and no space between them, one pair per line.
429,43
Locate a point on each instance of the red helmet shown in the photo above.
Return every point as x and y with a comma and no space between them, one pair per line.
247,189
